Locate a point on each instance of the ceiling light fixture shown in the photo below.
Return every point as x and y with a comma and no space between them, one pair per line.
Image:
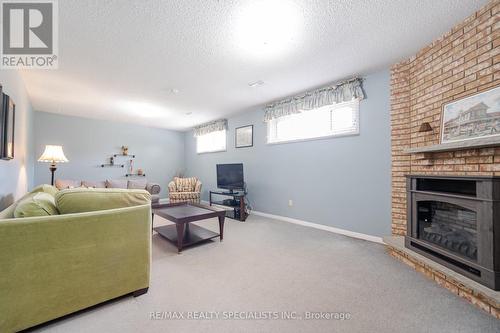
267,28
174,91
256,83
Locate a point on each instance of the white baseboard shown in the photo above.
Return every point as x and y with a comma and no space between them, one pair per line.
339,231
344,232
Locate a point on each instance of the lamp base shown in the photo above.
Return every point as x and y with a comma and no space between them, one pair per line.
52,169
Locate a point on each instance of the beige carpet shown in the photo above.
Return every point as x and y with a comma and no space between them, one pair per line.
267,265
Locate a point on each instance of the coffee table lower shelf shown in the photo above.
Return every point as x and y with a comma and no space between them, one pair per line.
192,235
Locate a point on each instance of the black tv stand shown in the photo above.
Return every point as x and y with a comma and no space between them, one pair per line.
237,203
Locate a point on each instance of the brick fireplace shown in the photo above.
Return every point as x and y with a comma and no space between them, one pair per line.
463,62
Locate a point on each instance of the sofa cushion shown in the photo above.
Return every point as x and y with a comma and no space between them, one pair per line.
93,184
62,184
52,190
36,204
139,184
116,183
79,200
8,213
185,184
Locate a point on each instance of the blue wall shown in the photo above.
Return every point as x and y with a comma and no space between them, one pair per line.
16,175
87,143
342,182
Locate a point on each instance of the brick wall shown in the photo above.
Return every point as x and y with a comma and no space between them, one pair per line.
463,62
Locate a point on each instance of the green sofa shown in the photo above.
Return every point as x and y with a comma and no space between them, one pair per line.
95,245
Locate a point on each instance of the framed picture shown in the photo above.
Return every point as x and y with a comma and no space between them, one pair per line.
244,136
2,123
8,126
473,117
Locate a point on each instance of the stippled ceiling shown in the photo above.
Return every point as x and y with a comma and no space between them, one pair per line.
126,59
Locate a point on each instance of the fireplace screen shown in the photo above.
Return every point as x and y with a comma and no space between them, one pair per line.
448,226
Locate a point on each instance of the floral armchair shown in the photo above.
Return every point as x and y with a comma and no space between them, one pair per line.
184,189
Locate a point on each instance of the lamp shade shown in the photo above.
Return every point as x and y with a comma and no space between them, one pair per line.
53,154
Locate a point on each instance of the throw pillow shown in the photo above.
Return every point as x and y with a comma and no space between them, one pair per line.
137,184
93,184
8,212
52,190
66,183
37,204
116,183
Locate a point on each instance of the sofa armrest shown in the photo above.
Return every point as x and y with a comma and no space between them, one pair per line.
44,260
153,188
197,186
172,187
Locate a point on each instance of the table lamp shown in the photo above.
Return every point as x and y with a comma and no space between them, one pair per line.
53,155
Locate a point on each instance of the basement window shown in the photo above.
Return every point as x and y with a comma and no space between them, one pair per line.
327,121
211,142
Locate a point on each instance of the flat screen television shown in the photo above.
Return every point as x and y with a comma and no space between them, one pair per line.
230,176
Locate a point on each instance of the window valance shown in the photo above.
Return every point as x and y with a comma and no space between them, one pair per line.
342,92
213,126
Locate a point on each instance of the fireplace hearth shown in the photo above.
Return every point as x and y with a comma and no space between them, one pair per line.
456,222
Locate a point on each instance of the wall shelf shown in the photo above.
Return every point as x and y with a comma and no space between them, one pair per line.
462,145
121,155
112,165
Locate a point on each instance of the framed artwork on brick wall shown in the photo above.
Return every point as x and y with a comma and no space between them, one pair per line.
473,117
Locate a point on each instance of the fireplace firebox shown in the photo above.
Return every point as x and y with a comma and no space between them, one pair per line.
456,222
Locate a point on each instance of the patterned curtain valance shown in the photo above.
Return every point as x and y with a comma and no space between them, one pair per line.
213,126
342,92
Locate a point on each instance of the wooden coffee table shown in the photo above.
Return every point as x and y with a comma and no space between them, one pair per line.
182,233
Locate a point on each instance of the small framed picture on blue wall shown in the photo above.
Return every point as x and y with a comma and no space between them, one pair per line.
244,136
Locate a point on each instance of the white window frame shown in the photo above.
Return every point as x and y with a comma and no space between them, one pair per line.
214,150
355,104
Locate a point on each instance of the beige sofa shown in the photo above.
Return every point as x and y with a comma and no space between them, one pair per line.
139,184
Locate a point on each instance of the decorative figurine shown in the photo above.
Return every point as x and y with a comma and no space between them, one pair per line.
125,150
